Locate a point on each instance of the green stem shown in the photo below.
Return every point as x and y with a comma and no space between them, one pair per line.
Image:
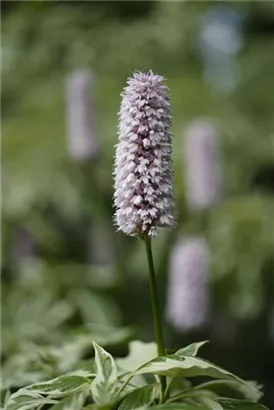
155,307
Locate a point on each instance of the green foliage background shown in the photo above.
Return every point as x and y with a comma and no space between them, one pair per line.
59,203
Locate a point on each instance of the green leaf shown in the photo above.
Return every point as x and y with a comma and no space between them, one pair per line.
184,366
60,386
30,397
73,402
24,400
230,404
233,389
104,386
192,349
139,398
210,404
177,406
5,395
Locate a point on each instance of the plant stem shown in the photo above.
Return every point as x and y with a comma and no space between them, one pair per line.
154,300
155,307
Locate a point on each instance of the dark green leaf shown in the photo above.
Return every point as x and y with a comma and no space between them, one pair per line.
141,397
5,395
177,406
73,402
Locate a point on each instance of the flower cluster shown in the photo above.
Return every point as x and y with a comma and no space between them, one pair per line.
143,174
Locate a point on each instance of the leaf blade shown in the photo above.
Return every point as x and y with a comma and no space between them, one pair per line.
139,398
230,404
210,404
104,386
75,401
232,389
192,349
186,366
24,400
61,385
177,406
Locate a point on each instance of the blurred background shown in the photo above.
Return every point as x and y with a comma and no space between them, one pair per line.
67,277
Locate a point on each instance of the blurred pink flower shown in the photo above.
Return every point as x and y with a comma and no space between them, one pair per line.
81,136
202,166
188,293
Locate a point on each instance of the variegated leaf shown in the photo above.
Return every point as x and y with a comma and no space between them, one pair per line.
61,385
104,387
73,402
210,404
192,349
24,400
230,404
186,366
233,389
140,398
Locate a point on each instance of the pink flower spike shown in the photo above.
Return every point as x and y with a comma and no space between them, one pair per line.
144,113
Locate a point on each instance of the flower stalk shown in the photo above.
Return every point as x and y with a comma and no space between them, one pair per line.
155,309
154,299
